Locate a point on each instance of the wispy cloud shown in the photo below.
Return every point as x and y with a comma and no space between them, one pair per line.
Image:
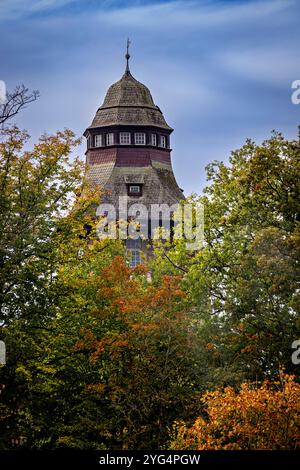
193,14
220,70
188,13
12,9
269,65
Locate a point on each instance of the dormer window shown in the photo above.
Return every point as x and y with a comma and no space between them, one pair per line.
98,140
140,138
153,140
110,139
163,141
125,138
134,189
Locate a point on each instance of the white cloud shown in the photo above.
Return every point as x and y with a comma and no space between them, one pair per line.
193,55
273,65
191,14
11,9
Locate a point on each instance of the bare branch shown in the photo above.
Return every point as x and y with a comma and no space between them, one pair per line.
17,100
175,265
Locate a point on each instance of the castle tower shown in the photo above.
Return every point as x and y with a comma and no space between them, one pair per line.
128,149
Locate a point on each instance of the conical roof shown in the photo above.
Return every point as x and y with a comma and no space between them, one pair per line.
128,92
129,102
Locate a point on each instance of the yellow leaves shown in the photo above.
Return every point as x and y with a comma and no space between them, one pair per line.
264,417
46,369
23,373
98,388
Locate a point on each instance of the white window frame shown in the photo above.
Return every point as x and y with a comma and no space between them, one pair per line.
154,140
110,138
98,140
163,141
140,138
135,258
135,186
125,138
133,251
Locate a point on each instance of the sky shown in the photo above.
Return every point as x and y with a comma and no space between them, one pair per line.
221,71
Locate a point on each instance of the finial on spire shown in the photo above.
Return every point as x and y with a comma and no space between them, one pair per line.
127,57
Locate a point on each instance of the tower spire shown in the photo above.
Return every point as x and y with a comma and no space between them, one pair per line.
127,57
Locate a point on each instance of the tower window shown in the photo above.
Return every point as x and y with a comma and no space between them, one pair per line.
140,138
89,141
125,138
135,258
134,252
98,140
134,190
153,139
163,141
110,139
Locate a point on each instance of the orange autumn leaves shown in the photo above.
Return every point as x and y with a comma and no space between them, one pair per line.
128,292
130,305
142,343
141,350
261,418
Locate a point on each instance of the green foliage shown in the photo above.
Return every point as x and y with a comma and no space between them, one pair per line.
47,236
244,283
99,357
36,188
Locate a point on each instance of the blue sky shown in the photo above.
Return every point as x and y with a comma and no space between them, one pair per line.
221,71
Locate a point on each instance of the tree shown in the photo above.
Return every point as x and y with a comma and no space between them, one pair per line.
47,224
101,358
15,101
122,361
36,187
244,283
146,353
254,418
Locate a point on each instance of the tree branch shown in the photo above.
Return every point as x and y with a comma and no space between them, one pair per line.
16,100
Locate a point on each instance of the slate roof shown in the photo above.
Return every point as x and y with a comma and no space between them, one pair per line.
129,102
159,185
99,174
